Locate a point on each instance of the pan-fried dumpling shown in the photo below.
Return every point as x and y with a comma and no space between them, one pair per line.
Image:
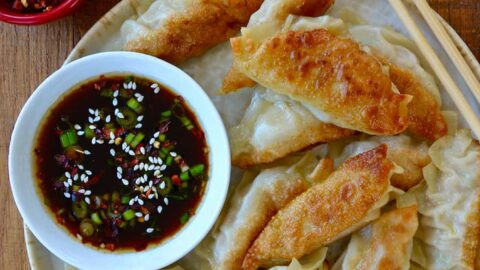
405,71
448,203
269,19
345,201
407,153
334,77
313,261
175,30
273,127
271,190
384,244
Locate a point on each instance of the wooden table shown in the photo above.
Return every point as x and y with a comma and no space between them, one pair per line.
29,54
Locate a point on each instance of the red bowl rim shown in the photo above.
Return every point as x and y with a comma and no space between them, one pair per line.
60,11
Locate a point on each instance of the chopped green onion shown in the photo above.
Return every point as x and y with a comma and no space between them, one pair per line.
129,138
168,186
138,138
115,196
86,228
185,176
184,218
96,218
162,137
197,169
169,160
106,92
64,140
68,138
89,133
129,119
164,150
125,93
128,215
133,104
125,199
80,209
166,114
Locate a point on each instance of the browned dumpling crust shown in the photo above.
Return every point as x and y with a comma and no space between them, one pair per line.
324,211
190,33
328,73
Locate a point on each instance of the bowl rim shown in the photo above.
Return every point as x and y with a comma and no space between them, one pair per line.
208,209
65,8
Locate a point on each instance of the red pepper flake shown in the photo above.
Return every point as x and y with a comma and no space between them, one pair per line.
115,86
176,180
110,246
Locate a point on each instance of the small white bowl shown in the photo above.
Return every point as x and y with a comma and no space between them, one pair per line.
36,215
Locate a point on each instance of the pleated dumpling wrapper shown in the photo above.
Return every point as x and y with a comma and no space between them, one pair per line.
408,153
273,127
349,198
253,202
175,30
385,244
339,82
448,203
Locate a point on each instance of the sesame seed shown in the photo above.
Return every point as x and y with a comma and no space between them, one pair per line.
142,165
149,230
75,177
85,180
112,136
163,167
150,183
67,174
134,86
127,149
100,141
131,201
162,185
94,140
82,177
165,200
139,125
146,218
115,93
90,119
140,98
91,111
120,115
156,173
152,140
173,154
140,201
137,182
88,192
112,152
97,112
97,118
125,85
137,94
140,118
77,127
135,168
70,182
80,166
153,86
66,184
157,90
79,237
138,214
156,144
116,111
130,84
102,245
81,191
136,198
142,150
115,102
156,134
131,153
87,200
92,127
119,175
108,118
80,133
151,196
124,145
159,209
125,182
119,169
86,152
151,167
67,195
88,172
160,161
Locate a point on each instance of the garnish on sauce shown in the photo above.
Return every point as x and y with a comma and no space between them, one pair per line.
122,162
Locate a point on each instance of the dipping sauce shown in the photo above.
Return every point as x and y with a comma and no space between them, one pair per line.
32,6
122,162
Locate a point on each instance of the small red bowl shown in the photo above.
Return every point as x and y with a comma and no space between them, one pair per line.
60,11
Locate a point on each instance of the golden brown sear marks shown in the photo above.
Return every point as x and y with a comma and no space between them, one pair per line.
324,211
328,73
198,28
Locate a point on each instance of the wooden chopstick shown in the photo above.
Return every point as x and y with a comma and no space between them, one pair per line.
437,66
449,46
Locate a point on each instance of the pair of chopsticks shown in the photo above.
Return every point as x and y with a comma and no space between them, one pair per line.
437,66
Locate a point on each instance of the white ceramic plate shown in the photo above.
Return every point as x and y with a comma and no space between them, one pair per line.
217,60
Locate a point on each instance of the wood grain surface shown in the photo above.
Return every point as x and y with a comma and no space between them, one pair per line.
30,53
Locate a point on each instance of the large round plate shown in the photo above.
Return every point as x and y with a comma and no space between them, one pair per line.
100,38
